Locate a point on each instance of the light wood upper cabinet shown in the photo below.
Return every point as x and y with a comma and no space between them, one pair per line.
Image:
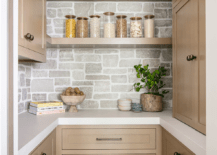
171,145
189,76
32,21
48,146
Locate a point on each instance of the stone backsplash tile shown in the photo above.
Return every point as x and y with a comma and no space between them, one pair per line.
105,73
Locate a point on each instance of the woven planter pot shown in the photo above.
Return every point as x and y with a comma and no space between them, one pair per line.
151,103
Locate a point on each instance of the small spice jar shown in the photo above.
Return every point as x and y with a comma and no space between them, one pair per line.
121,26
109,25
70,26
82,27
149,26
135,27
94,26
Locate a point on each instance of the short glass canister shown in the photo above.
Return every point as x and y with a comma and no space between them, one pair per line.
149,26
135,27
121,26
94,26
70,26
82,27
109,25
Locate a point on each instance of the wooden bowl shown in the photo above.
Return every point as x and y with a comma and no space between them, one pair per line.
73,101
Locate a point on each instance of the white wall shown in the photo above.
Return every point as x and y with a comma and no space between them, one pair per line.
211,76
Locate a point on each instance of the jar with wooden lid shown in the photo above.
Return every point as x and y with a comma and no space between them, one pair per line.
109,25
82,27
121,26
149,26
94,26
70,26
135,27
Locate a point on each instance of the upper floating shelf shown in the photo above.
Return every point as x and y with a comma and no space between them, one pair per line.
128,42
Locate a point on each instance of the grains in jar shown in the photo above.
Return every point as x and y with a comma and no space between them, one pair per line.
109,25
94,26
121,26
136,27
82,27
149,26
70,26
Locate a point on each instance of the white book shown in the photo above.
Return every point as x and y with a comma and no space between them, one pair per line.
40,109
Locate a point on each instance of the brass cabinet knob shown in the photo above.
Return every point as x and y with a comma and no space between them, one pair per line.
176,153
191,57
43,153
32,38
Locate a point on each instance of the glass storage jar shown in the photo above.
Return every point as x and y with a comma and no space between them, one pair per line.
94,26
121,26
149,26
82,27
70,26
109,25
135,27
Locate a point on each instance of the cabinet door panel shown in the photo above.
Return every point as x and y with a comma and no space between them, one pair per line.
34,21
186,72
21,40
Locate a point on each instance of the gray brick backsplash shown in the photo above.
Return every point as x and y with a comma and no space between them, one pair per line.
42,85
129,7
108,104
92,68
84,9
102,86
77,75
105,73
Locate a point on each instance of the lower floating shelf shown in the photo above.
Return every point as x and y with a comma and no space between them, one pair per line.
68,42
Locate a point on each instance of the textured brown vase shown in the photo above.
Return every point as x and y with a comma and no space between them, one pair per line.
151,102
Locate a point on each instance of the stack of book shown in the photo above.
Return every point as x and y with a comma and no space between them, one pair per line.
42,108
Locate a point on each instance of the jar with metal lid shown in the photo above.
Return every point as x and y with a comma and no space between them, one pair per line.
149,26
82,27
109,25
135,27
70,26
94,26
121,26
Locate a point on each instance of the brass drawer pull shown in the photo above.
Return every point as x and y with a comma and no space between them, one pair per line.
191,57
109,139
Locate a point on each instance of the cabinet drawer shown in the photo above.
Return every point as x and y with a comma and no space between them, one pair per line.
108,139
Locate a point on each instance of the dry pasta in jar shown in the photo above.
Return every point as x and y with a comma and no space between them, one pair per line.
135,27
70,26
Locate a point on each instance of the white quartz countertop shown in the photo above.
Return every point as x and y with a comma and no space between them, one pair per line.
33,129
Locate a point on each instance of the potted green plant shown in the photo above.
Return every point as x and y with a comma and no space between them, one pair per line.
152,81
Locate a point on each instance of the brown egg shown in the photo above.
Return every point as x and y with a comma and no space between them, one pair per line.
68,94
73,94
77,90
72,90
81,93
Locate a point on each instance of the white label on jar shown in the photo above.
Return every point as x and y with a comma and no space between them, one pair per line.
109,30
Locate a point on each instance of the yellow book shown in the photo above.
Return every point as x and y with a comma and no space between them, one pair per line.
46,104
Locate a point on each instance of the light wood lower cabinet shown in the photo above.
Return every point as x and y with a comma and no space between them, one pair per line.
141,140
47,147
189,63
32,30
171,146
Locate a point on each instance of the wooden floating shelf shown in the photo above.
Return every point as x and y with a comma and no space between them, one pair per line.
108,41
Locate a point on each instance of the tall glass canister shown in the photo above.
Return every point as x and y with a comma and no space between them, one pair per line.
109,25
135,27
82,27
70,26
149,26
121,26
94,26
